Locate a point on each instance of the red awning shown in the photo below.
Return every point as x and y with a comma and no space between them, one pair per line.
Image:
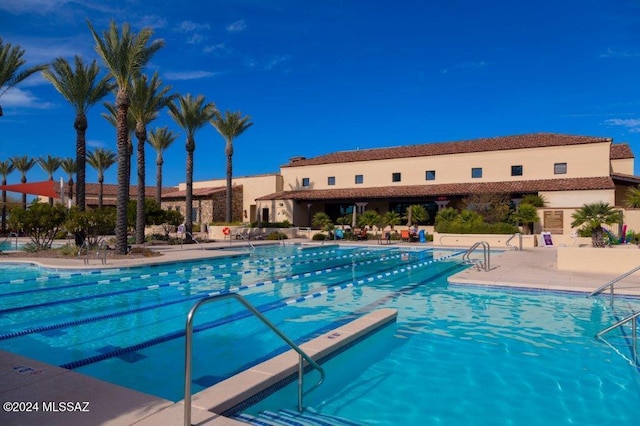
43,189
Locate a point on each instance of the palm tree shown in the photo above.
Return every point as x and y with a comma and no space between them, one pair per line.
68,165
594,215
230,127
23,165
101,159
160,139
191,114
6,167
82,89
124,53
633,197
147,98
49,165
10,62
112,117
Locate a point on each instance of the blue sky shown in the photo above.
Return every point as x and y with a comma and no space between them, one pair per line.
322,76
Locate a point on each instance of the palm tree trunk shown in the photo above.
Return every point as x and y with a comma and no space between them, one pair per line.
4,208
122,106
188,199
140,218
100,191
24,195
597,237
229,212
70,185
159,180
81,146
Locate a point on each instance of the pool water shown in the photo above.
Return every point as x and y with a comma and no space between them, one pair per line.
127,326
480,356
456,355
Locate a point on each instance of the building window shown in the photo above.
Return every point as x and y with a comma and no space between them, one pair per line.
560,169
476,172
516,170
194,215
305,181
178,209
396,177
430,175
359,179
331,180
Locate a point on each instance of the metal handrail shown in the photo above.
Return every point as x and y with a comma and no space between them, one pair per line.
612,282
273,327
244,237
634,332
11,234
486,252
192,239
519,235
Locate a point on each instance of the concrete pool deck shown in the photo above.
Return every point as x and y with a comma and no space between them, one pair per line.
26,380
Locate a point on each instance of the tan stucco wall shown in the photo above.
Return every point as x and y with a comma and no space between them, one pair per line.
613,260
496,241
586,160
576,199
624,166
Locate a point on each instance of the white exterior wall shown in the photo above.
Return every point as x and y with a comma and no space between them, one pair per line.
587,160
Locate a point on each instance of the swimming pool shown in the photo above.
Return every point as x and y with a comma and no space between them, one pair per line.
456,354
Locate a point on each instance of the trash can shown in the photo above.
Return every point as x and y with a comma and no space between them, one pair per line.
422,237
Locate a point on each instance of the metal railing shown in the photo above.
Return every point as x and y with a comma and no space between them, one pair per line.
611,283
243,237
519,235
101,252
192,239
486,255
634,332
189,343
11,234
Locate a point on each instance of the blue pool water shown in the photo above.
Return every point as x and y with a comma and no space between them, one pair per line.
456,355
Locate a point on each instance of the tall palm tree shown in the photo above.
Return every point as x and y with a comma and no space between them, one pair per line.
124,53
230,127
6,167
112,117
191,114
160,139
101,159
10,62
81,87
49,165
594,215
23,165
147,98
68,165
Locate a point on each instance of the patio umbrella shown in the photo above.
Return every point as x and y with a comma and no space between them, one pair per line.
353,217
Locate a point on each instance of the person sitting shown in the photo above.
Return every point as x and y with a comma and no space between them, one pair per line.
413,233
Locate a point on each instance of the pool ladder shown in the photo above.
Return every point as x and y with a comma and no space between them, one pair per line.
633,318
101,252
484,264
519,246
189,343
11,235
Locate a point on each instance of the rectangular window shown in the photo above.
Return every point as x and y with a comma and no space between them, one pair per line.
359,179
331,180
430,175
194,215
476,172
560,169
516,170
396,177
305,181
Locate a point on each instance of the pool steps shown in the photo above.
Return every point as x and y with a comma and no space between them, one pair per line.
234,390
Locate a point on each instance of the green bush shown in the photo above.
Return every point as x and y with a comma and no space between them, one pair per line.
319,237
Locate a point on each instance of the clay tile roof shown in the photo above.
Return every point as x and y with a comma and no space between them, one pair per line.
111,190
620,151
531,186
534,140
197,192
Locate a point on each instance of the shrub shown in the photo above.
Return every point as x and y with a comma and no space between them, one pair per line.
319,237
277,236
41,222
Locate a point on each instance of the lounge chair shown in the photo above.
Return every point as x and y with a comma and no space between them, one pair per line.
404,235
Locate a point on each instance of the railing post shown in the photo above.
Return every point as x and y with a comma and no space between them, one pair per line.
300,382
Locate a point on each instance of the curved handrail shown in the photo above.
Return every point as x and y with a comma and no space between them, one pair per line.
254,311
486,251
612,282
519,235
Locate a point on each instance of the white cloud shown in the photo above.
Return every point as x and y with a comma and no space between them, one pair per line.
213,47
619,54
195,39
152,21
188,75
633,124
18,98
276,62
95,144
237,26
190,26
41,7
470,65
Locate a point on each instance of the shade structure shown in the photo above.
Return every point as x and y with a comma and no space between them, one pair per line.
43,189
